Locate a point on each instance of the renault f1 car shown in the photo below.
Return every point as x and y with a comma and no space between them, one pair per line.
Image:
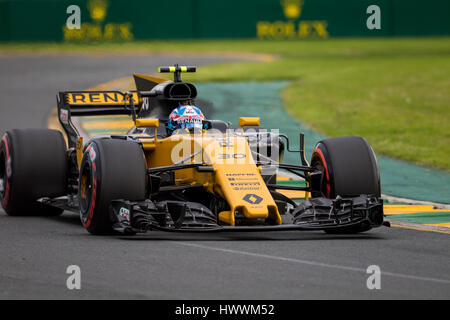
215,179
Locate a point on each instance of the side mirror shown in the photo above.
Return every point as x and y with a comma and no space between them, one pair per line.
248,122
147,123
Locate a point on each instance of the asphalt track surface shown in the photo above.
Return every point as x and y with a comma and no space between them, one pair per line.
36,251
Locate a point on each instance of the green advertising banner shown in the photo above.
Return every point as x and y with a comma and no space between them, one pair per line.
118,20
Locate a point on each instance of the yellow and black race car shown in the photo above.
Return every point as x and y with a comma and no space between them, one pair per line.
209,179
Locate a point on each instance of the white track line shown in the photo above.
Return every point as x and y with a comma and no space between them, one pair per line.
312,263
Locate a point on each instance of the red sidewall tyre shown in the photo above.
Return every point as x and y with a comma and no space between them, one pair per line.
111,169
349,167
33,165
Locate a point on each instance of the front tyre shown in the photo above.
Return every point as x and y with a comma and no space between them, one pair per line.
110,169
349,168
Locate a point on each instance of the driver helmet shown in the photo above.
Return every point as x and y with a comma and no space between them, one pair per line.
185,117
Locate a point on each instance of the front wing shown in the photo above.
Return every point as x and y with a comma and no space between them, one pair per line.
314,214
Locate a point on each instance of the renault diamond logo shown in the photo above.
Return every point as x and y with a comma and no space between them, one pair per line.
252,198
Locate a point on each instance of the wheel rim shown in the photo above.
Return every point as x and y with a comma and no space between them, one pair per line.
317,163
85,189
3,177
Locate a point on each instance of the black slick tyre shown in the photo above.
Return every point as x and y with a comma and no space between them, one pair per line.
349,168
111,169
33,165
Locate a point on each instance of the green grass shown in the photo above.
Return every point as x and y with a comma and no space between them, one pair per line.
394,92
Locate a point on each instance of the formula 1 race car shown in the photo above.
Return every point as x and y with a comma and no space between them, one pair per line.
215,179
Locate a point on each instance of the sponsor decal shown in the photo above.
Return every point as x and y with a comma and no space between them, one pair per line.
245,183
292,9
187,114
99,98
125,213
145,104
293,28
252,198
189,111
64,116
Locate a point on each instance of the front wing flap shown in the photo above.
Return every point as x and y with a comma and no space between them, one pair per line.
324,213
177,216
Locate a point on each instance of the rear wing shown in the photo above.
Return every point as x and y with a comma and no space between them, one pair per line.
100,103
93,103
97,103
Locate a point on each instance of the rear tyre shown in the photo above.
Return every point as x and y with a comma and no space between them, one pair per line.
33,165
349,168
110,169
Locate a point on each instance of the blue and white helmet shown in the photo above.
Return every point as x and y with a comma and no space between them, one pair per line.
185,117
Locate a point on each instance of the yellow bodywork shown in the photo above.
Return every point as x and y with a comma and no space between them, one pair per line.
236,177
79,150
